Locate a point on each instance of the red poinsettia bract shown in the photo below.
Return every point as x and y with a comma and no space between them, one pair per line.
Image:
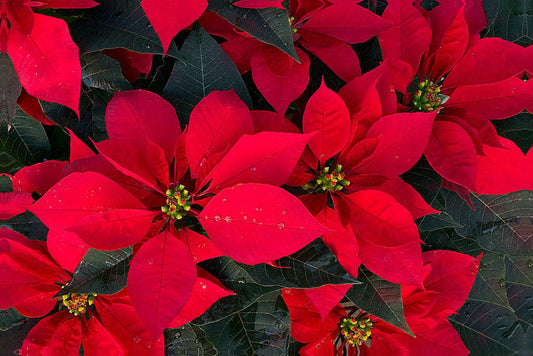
328,328
148,185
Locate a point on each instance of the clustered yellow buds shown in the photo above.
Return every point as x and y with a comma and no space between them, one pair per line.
291,20
77,303
330,180
356,330
427,97
178,202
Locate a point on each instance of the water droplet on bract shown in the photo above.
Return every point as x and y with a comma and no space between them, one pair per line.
150,261
217,218
137,339
253,169
228,219
204,286
281,226
148,346
244,217
284,212
224,199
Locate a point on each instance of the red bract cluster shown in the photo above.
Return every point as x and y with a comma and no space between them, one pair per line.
157,223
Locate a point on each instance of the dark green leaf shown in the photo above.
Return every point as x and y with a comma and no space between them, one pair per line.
518,129
510,20
22,143
100,272
490,330
10,318
117,24
5,184
268,25
489,286
92,114
380,298
313,266
188,340
502,224
102,72
10,89
437,221
261,329
425,180
519,270
11,340
28,225
202,68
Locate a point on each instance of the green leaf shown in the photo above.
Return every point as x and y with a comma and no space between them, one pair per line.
500,223
28,225
261,329
518,129
519,270
100,272
437,221
380,298
22,143
313,266
490,330
510,20
117,24
5,184
10,89
489,286
102,72
92,114
188,340
268,25
202,68
10,318
425,180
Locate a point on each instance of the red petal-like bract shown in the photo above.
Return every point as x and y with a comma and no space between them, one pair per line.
402,139
325,298
389,244
171,16
326,113
101,212
54,335
160,281
47,61
14,203
452,154
39,177
216,123
409,38
266,157
140,113
258,223
259,4
278,77
97,340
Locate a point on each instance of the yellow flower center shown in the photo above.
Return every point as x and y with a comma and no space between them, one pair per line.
426,97
355,330
331,180
178,202
77,303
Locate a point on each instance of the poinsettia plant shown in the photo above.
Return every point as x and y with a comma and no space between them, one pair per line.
223,177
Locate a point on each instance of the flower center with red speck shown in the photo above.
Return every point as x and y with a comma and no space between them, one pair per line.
427,97
77,303
291,20
178,202
329,179
355,330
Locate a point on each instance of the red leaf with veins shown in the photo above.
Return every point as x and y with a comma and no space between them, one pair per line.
206,291
338,22
160,281
66,248
39,177
259,4
452,154
278,77
266,157
325,298
200,246
409,38
492,101
47,71
216,123
140,113
94,197
402,139
171,16
14,203
258,223
97,340
326,113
